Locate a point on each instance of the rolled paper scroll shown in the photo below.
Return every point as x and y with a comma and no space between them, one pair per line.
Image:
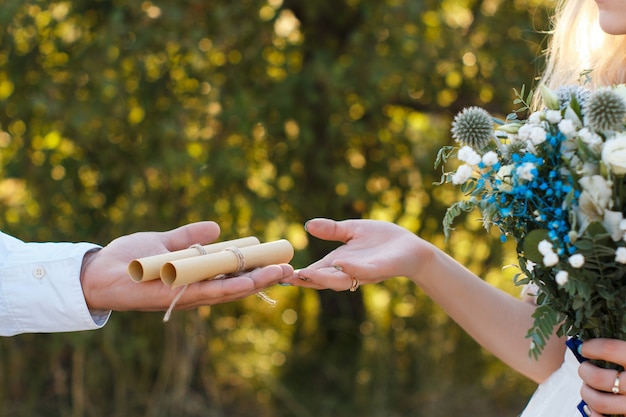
149,268
228,261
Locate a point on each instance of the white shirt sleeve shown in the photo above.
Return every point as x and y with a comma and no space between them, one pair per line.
40,289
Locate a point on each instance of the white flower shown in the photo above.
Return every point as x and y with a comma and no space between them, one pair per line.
530,265
594,199
577,260
598,190
510,128
504,176
462,174
537,135
524,131
589,137
553,116
570,114
526,171
535,118
612,221
569,147
550,259
545,247
586,169
620,255
561,277
567,128
490,158
614,154
530,147
549,97
468,155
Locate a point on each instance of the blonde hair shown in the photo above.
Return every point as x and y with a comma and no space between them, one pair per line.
578,45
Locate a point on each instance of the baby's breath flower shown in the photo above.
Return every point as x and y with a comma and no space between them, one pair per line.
473,127
553,116
620,255
605,111
490,158
590,138
577,260
561,277
468,155
535,118
524,131
550,259
462,174
537,135
545,247
567,127
526,171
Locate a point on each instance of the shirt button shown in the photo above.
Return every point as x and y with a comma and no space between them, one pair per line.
39,272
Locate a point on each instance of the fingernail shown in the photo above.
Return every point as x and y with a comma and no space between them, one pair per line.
579,348
284,284
306,224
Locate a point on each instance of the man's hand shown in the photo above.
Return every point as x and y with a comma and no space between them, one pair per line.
107,286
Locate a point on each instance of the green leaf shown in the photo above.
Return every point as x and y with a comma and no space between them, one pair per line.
442,156
453,212
531,243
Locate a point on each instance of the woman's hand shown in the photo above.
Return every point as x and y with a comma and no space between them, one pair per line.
603,389
107,286
372,251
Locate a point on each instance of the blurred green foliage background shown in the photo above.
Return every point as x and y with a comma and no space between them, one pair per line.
118,116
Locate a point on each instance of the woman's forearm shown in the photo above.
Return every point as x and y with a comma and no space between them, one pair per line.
494,318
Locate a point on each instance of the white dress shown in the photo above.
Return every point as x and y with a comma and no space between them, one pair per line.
559,395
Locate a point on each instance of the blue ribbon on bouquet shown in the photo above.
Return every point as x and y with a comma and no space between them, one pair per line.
573,344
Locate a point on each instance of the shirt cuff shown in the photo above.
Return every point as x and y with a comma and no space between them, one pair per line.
40,290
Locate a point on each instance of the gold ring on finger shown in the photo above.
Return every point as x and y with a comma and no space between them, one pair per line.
355,284
615,389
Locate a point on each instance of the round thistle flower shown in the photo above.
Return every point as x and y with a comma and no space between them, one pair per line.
605,110
514,148
472,127
566,92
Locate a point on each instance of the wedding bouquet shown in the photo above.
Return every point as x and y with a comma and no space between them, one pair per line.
555,184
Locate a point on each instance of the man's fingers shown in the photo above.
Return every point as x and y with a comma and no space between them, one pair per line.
190,234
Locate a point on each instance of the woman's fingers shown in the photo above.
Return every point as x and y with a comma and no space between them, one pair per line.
603,389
